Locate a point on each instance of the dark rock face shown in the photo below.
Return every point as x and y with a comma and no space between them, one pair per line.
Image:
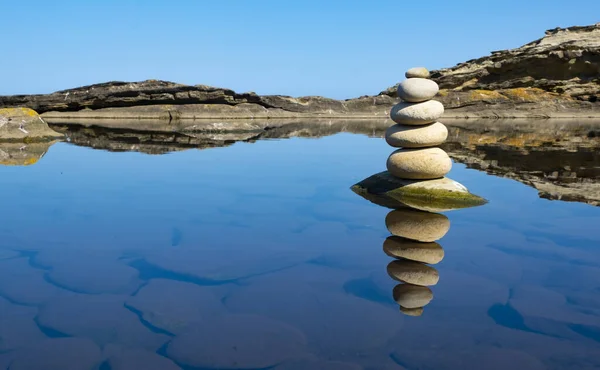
174,101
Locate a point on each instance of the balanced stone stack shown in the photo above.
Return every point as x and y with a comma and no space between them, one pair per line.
417,131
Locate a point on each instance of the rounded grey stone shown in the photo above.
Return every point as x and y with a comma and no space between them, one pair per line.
417,72
417,225
411,272
401,136
397,247
419,164
417,113
412,296
416,90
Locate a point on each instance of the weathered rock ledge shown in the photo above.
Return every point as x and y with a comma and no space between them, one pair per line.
555,76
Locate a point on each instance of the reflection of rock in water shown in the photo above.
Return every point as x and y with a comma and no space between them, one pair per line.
415,227
558,158
413,246
21,154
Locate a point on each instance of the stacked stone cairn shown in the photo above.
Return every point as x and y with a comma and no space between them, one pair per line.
417,132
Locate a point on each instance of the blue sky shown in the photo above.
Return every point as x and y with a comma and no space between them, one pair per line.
339,49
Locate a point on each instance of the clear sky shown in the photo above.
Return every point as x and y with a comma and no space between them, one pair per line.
339,49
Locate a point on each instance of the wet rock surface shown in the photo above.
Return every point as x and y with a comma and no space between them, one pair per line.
175,306
101,318
237,342
59,354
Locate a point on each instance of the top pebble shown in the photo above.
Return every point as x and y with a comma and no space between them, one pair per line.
417,72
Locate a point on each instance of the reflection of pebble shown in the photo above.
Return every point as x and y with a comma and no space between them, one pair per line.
173,305
59,354
237,342
397,247
413,273
134,358
102,318
412,311
412,296
417,225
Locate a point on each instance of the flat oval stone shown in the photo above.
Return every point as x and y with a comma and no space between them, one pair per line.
417,72
416,90
419,164
412,296
397,247
417,225
401,136
411,272
417,113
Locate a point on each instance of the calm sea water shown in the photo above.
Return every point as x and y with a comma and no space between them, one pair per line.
258,256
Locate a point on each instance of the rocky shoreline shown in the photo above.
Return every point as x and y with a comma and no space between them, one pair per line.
557,76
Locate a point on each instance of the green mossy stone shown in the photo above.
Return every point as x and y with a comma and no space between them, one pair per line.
436,195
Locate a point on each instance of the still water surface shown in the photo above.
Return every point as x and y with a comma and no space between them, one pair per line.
258,256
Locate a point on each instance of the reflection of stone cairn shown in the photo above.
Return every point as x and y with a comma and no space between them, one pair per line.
413,245
417,131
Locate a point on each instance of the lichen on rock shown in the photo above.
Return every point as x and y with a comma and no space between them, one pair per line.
24,124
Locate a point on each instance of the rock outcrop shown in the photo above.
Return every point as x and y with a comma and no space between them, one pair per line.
24,125
557,75
169,101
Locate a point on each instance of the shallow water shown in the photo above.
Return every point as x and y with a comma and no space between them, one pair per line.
257,255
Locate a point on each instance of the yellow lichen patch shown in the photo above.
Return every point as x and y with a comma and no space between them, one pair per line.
522,140
443,92
530,94
486,95
17,112
481,139
469,83
19,162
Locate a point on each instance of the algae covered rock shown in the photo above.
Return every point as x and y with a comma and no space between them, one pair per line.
436,195
24,124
